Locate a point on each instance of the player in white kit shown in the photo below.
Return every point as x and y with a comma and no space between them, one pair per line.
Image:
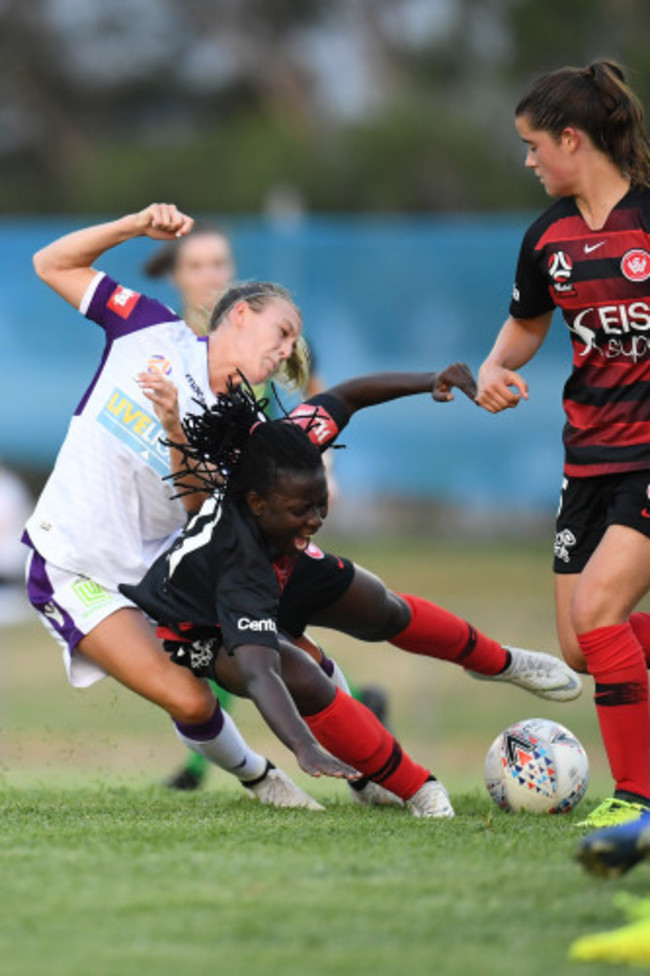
106,512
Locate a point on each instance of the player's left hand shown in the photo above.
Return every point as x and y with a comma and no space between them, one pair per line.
164,396
317,762
459,375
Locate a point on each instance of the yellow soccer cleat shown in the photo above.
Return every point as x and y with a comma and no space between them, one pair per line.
628,944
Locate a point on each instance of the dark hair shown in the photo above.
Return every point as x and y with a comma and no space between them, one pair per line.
163,261
597,100
232,447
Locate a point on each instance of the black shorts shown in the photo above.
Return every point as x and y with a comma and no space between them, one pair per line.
315,582
588,506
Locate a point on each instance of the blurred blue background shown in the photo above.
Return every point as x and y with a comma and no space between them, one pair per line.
377,293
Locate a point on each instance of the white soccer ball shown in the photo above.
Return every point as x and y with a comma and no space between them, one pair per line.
536,765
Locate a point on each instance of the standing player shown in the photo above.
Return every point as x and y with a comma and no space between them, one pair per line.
589,254
106,512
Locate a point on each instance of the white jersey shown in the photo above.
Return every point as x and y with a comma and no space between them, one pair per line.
106,511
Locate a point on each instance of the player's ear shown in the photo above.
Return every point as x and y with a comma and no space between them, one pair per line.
570,138
255,502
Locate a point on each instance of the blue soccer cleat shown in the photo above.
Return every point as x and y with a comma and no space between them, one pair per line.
610,852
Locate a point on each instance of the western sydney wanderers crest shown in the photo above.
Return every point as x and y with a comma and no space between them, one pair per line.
635,264
560,268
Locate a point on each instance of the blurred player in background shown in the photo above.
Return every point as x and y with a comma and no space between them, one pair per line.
106,512
200,266
589,254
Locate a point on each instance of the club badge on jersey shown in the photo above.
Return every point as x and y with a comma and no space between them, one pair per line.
319,425
123,301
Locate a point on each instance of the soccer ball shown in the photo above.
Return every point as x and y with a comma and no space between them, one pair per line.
536,765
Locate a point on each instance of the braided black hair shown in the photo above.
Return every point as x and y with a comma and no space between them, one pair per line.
233,448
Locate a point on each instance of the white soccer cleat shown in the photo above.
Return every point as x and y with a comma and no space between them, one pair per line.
542,674
371,794
275,789
431,800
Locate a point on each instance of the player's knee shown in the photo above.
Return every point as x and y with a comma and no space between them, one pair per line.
390,617
589,610
192,705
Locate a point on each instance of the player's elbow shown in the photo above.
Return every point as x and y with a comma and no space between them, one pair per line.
40,263
44,266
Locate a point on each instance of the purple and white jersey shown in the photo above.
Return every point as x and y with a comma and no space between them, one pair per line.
105,511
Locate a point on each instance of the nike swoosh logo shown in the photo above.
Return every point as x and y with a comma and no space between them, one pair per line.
592,247
645,513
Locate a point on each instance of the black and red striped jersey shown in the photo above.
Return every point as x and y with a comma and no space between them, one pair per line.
601,281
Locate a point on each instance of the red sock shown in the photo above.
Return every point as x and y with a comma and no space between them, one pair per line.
351,732
640,623
438,633
616,661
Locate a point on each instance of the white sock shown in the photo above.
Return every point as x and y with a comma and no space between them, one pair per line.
227,749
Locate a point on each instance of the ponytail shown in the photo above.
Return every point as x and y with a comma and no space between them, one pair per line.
597,100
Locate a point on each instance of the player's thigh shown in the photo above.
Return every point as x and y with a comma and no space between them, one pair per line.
614,580
367,610
125,645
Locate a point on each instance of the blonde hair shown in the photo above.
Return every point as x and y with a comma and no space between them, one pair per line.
294,372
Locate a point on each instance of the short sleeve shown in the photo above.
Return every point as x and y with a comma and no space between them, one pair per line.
530,295
119,310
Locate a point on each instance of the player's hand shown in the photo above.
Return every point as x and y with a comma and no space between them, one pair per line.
459,375
164,396
495,388
315,761
163,222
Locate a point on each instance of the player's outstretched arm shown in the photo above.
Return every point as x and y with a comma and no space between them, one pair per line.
66,265
367,391
260,670
500,387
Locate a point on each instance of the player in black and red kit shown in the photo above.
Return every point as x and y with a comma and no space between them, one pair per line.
223,585
589,255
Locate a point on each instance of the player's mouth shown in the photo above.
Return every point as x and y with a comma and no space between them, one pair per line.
301,542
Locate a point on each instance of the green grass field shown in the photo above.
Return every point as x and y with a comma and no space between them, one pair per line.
104,872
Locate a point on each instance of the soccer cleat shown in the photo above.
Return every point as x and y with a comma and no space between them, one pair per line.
275,789
613,812
628,944
610,852
431,800
542,674
369,794
185,780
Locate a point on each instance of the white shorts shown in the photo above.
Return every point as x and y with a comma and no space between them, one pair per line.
70,606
